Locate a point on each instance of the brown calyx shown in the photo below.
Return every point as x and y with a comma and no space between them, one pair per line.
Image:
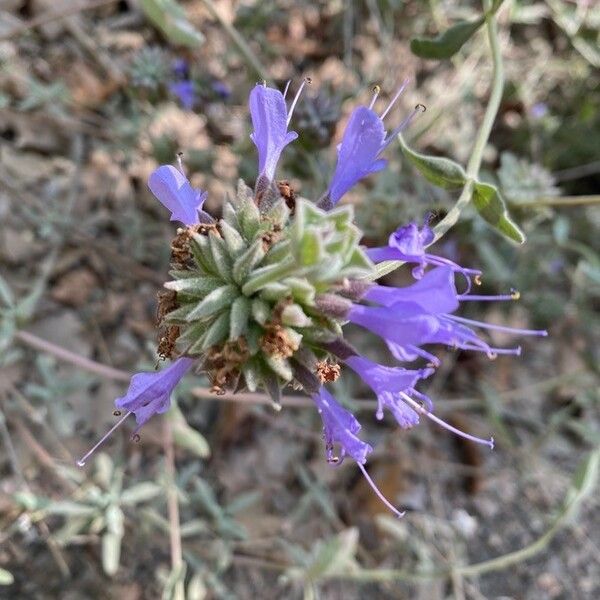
167,337
327,372
222,364
181,254
287,193
276,342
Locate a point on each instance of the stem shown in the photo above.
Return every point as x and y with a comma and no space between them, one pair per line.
564,201
485,129
75,359
173,511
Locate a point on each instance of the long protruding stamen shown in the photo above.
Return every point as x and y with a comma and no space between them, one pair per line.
500,298
493,352
419,108
307,80
491,326
394,99
379,494
287,87
81,462
445,425
376,90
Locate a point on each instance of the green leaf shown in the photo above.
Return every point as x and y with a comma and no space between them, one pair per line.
491,206
448,43
140,492
186,436
111,552
280,366
195,286
6,578
294,316
6,294
171,19
240,313
583,484
247,261
311,247
440,171
261,311
233,240
220,256
217,332
215,301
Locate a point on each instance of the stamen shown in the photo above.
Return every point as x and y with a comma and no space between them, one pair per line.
307,81
376,90
81,462
445,425
405,123
136,438
477,279
379,494
180,163
501,297
491,326
287,87
492,352
394,99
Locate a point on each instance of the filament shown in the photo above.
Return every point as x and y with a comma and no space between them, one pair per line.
287,87
379,494
491,326
376,90
423,411
307,80
81,462
394,99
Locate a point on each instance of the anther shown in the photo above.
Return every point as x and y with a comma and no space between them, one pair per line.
477,280
136,437
116,413
421,107
515,294
180,162
376,90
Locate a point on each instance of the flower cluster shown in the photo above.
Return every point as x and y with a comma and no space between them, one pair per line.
259,298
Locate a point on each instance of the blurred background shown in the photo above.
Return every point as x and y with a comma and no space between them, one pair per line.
93,96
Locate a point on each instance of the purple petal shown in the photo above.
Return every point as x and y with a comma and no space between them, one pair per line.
391,324
174,191
340,427
269,119
150,393
185,91
435,293
362,142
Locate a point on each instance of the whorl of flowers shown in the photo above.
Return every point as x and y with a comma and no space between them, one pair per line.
259,298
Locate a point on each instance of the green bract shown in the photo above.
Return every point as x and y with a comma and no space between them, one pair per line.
245,289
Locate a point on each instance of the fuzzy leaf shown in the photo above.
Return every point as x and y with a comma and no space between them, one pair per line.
195,286
302,291
311,247
261,311
280,366
6,577
251,376
201,251
172,20
240,313
111,552
294,316
491,206
220,256
440,171
249,217
233,240
186,436
215,301
247,261
217,332
448,43
266,275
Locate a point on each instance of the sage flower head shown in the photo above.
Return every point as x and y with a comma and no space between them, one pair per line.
260,297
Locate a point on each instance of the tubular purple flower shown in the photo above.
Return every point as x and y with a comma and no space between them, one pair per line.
408,243
388,383
364,139
270,121
148,394
340,427
173,191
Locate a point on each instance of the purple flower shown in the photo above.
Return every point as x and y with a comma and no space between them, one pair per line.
408,243
185,90
538,110
150,393
270,120
221,89
180,68
174,191
420,314
364,140
389,383
340,427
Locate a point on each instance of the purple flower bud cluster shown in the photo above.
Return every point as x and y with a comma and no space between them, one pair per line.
410,320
